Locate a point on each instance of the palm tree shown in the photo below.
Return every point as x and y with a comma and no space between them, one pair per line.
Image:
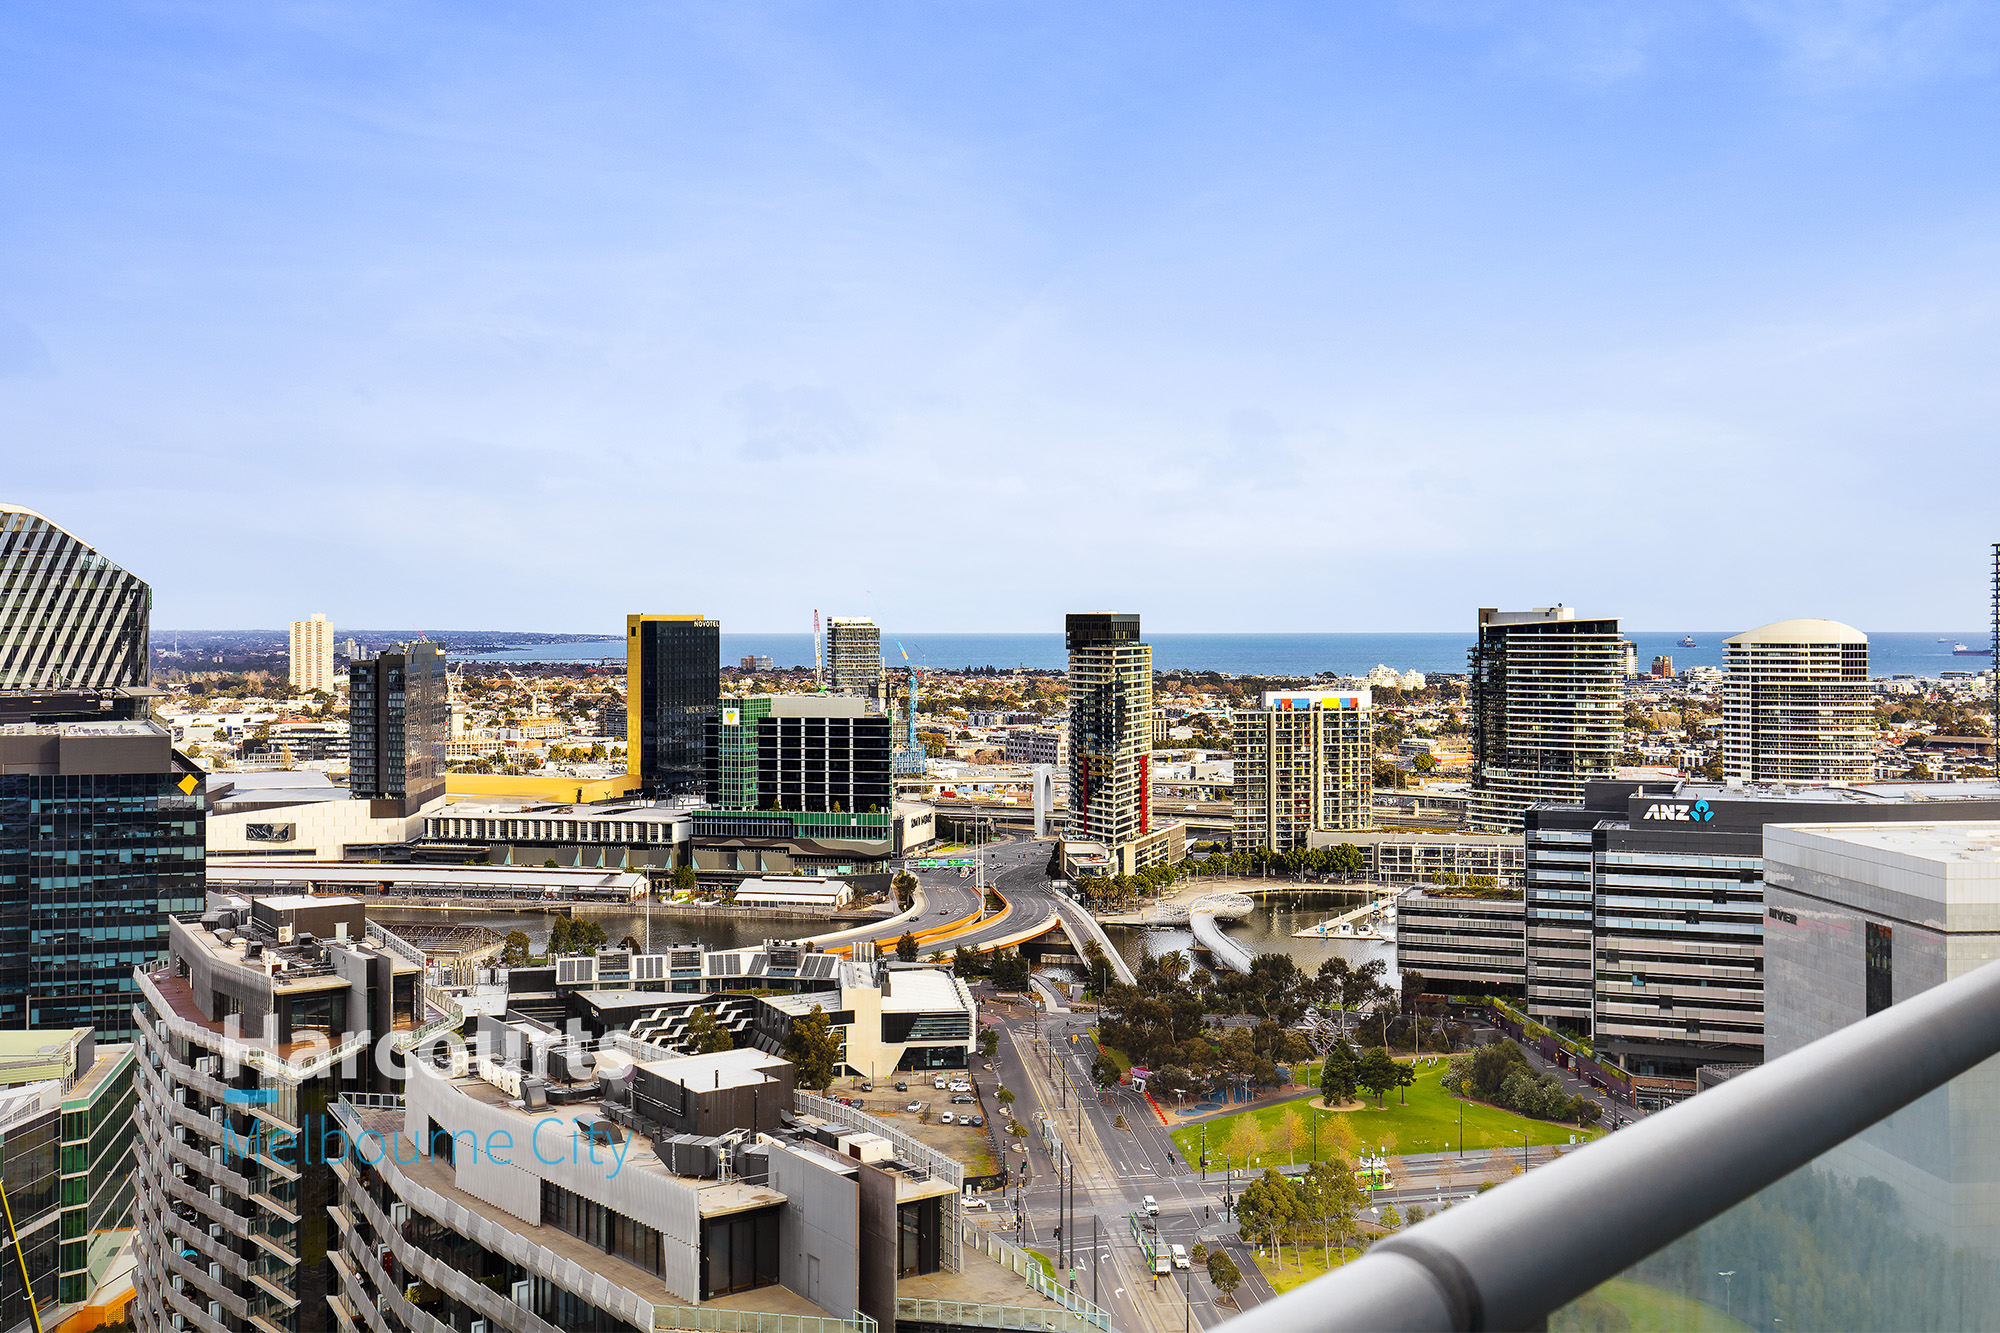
1174,964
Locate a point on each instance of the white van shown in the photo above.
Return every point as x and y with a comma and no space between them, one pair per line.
1180,1256
1152,1209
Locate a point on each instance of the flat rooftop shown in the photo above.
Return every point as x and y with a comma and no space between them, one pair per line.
1976,841
1859,793
82,729
740,1068
924,991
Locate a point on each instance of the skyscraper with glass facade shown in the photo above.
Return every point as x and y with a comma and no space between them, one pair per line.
1111,738
399,723
673,685
101,837
1548,690
101,821
69,618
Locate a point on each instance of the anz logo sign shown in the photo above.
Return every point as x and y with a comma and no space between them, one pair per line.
1698,813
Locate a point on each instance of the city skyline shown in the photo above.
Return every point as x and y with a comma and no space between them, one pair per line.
1514,289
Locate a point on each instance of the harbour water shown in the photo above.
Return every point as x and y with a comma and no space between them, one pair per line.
1889,654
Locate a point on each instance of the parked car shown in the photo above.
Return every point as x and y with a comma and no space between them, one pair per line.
945,1119
938,1082
901,1086
962,1099
914,1107
960,1085
976,1205
866,1086
972,1120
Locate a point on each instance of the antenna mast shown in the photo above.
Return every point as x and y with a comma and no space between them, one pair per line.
819,674
1993,751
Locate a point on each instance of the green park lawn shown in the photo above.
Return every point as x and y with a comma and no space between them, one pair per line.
1622,1304
1284,1272
1275,1135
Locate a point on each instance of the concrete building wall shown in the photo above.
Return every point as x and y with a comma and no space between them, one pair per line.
819,1231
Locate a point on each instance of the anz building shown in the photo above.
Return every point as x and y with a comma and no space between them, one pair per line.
1645,911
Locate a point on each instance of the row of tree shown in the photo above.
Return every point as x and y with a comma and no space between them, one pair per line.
1500,1074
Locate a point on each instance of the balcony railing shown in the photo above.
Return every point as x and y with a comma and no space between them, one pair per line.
1510,1258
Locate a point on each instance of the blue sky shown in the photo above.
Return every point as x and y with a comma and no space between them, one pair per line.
1246,317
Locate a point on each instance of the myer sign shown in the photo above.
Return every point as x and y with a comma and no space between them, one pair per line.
1698,812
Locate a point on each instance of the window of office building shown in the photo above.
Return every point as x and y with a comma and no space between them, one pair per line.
1880,968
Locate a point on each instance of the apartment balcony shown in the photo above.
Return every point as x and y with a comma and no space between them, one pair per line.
1846,1185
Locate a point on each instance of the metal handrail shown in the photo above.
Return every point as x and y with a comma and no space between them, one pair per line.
1508,1257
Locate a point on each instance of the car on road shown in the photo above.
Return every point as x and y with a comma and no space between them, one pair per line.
914,1107
1180,1256
1152,1209
945,1119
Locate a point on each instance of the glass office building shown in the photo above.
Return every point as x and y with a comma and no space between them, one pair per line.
101,838
69,618
673,684
399,723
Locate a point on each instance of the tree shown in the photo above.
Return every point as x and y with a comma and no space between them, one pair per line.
1424,764
813,1047
514,950
705,1035
1010,971
906,948
1377,1073
1004,1097
1390,1217
1337,1078
1406,1074
1105,1071
905,886
989,1042
683,879
1222,1271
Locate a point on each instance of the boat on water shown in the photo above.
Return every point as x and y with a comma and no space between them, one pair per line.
1960,650
1687,641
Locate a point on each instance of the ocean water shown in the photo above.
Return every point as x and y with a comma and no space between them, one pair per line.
1890,654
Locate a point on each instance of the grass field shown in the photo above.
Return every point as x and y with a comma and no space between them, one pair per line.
1285,1273
1621,1305
1284,1133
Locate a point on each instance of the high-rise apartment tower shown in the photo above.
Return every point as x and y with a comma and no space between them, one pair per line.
1110,732
854,657
312,654
69,618
1796,704
673,686
1305,763
1547,709
399,724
